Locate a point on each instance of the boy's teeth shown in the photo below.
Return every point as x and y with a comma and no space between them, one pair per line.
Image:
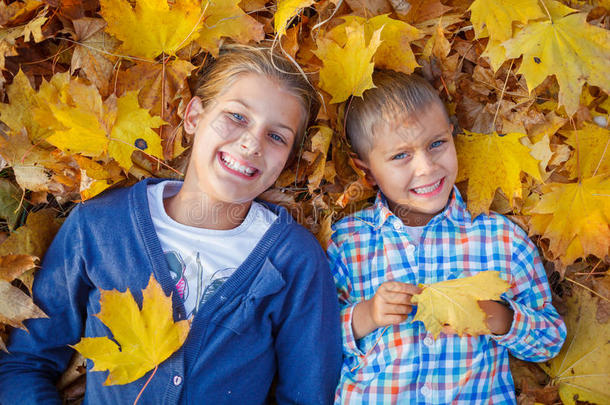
248,171
425,190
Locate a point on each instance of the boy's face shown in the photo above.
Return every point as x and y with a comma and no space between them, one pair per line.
413,161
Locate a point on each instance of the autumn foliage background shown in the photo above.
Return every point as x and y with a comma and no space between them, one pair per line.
93,93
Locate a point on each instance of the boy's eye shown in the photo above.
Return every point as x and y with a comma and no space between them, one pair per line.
436,144
399,156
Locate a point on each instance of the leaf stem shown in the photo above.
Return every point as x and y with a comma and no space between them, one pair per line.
548,13
493,124
587,288
146,384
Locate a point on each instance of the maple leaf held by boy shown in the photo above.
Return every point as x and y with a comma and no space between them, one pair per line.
152,27
575,218
567,47
347,69
508,157
455,303
145,337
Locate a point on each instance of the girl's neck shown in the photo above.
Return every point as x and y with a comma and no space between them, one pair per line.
197,209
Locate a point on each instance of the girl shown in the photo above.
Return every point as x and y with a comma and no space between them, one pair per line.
256,284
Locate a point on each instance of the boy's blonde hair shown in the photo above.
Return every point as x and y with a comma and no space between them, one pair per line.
395,95
236,60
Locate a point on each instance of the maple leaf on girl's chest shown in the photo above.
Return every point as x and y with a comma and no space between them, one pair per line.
144,338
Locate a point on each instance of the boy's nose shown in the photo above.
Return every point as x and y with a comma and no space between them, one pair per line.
423,164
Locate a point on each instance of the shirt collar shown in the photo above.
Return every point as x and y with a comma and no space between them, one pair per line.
455,211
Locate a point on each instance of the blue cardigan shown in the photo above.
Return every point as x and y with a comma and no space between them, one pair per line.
277,314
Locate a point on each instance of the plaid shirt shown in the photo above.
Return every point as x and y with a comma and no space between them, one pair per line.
404,364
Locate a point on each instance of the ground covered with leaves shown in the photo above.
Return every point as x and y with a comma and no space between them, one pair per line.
93,93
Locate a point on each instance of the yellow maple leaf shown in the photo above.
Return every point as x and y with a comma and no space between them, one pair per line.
224,19
347,68
508,157
455,303
145,337
395,50
320,143
582,367
81,123
132,130
152,27
17,114
575,218
496,17
565,46
592,151
286,9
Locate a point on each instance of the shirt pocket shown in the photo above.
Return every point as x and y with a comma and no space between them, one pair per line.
241,312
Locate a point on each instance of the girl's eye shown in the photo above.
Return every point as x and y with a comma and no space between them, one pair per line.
237,117
436,144
399,156
276,138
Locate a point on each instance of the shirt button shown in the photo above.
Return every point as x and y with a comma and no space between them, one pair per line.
428,341
177,380
410,249
425,391
397,226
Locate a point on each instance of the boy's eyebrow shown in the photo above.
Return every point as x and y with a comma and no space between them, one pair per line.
276,123
447,131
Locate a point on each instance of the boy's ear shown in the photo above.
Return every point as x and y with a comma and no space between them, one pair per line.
365,168
194,111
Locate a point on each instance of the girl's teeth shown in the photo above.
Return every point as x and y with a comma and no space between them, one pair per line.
425,190
236,166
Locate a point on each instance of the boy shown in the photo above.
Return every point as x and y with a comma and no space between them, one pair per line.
419,231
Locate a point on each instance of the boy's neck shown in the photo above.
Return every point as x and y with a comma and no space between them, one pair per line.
408,216
198,210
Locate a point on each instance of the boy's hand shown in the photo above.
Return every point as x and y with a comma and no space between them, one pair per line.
499,316
390,305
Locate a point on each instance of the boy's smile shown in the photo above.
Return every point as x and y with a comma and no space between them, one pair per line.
414,163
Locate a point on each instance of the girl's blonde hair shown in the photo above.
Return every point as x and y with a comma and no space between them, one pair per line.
395,95
236,60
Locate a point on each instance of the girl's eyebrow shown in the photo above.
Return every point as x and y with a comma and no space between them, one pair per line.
275,123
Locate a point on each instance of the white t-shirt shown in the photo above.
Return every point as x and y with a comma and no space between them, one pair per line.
201,260
415,233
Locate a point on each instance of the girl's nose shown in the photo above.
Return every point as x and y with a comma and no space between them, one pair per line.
249,143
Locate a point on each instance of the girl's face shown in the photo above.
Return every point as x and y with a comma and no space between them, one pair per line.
242,139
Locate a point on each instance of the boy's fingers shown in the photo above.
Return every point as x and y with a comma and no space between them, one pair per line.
398,287
397,298
396,309
394,319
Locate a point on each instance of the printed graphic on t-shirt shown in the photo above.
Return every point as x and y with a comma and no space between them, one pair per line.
203,286
177,269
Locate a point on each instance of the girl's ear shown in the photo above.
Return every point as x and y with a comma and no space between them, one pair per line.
194,112
365,168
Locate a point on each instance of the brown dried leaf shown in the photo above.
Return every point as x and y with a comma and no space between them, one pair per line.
12,266
16,306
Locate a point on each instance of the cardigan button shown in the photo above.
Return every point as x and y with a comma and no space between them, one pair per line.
177,380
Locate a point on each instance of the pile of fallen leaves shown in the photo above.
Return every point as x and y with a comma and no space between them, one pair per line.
93,94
